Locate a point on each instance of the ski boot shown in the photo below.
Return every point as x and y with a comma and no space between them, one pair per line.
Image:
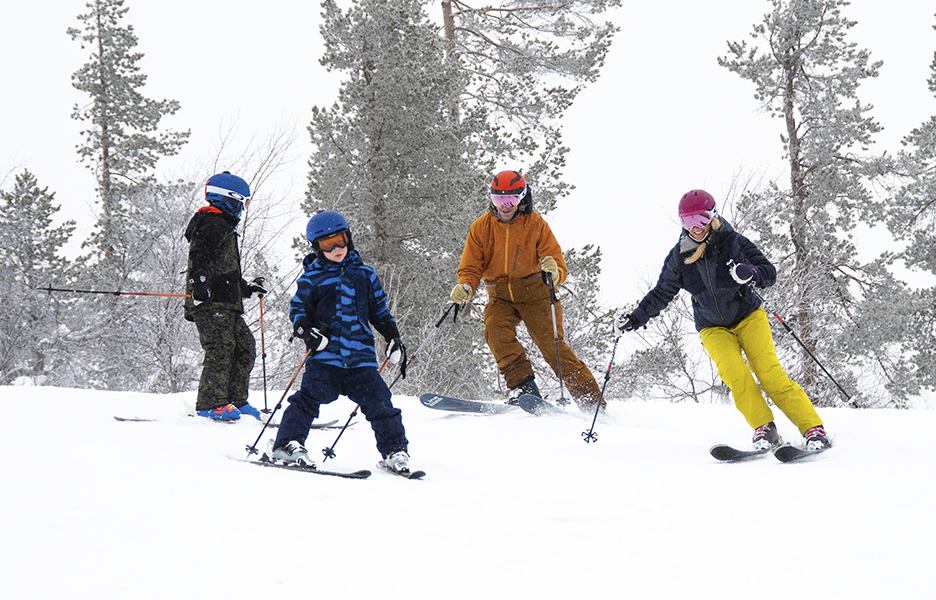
528,387
293,453
767,438
398,461
228,412
816,438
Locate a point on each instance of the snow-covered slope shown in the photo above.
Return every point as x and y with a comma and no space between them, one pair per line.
513,507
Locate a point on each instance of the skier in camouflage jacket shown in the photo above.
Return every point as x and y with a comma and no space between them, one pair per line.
216,290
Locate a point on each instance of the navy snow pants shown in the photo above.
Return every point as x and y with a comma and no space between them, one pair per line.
322,384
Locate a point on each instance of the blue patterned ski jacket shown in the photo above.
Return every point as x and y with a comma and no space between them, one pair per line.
342,299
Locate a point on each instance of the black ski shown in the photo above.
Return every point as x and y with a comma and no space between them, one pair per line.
728,454
537,406
405,474
458,405
795,453
265,461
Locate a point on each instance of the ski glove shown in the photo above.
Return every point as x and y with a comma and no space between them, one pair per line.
461,293
200,291
745,273
630,321
314,339
396,353
548,265
256,286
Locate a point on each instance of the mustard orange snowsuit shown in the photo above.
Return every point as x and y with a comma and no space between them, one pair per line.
505,255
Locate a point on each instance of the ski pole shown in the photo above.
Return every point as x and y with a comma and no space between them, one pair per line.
590,435
412,357
263,358
51,289
447,311
552,306
329,452
252,449
848,399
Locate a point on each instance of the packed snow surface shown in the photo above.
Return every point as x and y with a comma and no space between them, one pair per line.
513,506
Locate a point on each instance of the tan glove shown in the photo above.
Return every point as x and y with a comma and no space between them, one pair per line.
461,293
548,265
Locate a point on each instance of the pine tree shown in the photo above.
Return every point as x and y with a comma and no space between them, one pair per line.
121,145
807,75
402,166
121,142
910,325
526,61
30,252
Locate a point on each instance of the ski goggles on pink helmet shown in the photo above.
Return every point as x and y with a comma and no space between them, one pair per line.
507,200
699,220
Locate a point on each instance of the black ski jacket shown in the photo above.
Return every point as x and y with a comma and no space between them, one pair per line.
717,299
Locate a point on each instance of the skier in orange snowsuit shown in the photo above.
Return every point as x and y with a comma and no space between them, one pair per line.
511,248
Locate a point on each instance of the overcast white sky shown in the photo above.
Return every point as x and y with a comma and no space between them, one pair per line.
663,118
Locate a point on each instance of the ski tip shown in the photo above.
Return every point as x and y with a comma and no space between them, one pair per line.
407,475
725,453
537,406
789,453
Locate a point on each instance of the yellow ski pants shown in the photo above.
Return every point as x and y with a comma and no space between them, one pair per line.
753,337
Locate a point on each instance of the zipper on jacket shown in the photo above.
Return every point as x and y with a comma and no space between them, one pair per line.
507,261
712,289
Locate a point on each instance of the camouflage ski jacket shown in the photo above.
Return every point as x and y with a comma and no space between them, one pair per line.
213,251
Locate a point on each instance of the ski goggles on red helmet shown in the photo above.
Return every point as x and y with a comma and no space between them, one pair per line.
699,220
335,240
507,200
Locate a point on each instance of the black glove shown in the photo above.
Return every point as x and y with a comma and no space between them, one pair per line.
256,286
396,353
630,321
200,291
314,339
745,273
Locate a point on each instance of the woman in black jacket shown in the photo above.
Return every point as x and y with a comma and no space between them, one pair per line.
717,265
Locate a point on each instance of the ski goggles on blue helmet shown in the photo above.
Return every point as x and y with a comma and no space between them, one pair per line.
227,192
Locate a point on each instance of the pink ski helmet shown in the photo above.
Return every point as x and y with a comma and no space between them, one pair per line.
696,208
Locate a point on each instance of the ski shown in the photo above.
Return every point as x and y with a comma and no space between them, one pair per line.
325,425
789,453
537,406
405,474
438,402
266,461
726,453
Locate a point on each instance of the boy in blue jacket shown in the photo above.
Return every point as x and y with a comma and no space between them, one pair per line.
337,297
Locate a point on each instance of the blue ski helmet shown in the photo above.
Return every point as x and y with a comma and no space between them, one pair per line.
327,222
227,192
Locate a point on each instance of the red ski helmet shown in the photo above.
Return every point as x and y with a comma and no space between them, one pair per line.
508,183
509,188
696,202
